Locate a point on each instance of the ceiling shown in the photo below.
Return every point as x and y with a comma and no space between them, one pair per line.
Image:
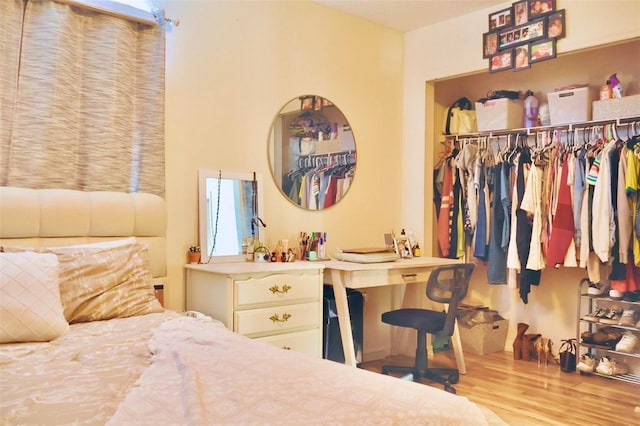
407,15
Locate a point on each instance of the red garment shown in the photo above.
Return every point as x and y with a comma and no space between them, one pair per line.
632,282
446,204
562,228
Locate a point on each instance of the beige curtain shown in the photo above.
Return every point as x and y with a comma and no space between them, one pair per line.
89,106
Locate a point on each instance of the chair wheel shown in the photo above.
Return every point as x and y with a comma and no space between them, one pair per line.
454,378
449,388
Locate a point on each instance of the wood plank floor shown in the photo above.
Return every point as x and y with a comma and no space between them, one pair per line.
523,393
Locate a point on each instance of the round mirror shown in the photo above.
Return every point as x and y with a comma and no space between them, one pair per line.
312,152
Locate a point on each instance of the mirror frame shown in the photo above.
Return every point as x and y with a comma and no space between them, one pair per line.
203,175
336,151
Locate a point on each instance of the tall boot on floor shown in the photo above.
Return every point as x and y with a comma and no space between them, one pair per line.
528,346
517,342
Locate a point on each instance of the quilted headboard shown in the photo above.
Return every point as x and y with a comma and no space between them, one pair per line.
58,217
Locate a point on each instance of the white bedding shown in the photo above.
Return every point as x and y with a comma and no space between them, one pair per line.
171,369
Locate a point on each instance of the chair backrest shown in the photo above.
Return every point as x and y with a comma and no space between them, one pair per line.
449,284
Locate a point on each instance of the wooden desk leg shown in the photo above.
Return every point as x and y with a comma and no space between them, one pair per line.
457,350
342,305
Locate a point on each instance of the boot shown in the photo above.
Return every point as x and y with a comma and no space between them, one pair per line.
517,342
528,346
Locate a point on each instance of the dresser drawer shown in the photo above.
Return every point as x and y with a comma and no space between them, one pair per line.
277,319
307,342
276,288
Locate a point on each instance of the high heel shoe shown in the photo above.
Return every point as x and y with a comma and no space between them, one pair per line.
517,342
528,346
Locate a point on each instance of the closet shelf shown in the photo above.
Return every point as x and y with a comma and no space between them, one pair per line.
532,131
629,378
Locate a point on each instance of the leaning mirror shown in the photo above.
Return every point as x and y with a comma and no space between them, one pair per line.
229,212
312,152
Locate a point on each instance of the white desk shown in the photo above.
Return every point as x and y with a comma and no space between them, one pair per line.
361,275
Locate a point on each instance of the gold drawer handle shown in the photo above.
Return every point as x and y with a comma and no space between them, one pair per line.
276,317
275,289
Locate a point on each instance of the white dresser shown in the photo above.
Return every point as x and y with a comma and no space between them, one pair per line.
280,303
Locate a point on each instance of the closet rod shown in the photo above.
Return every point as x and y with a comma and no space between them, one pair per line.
532,131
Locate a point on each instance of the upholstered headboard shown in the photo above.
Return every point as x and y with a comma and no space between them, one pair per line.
59,217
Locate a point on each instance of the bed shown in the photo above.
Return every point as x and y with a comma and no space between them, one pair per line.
85,342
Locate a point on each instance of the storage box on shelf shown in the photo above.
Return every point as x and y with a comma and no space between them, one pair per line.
610,109
587,305
499,114
571,105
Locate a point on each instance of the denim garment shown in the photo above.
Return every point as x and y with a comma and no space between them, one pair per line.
497,256
480,246
579,184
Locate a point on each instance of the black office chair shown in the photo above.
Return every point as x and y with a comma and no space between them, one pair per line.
446,284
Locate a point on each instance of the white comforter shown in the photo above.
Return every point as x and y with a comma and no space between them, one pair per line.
168,369
203,374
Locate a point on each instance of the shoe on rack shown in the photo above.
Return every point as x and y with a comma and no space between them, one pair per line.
628,343
631,296
612,317
597,289
596,315
611,367
628,318
615,294
587,364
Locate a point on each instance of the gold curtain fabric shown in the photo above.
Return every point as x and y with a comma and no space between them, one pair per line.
89,109
11,13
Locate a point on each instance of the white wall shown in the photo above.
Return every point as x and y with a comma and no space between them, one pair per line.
453,48
231,66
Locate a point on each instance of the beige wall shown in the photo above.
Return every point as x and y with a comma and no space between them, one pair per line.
232,65
429,68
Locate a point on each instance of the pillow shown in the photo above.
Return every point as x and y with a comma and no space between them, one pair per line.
30,306
103,244
105,283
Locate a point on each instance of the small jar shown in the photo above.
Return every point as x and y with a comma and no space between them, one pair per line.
273,256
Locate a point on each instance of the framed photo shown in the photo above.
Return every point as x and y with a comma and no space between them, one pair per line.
542,50
520,13
501,61
489,44
306,103
521,58
538,8
515,36
556,25
317,103
500,19
404,248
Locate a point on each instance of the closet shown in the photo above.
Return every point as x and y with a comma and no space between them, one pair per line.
552,307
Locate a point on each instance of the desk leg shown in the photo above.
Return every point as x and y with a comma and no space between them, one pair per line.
457,349
342,305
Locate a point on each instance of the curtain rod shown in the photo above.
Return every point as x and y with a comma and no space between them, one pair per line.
114,8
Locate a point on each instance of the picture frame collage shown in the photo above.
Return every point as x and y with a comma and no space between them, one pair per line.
523,34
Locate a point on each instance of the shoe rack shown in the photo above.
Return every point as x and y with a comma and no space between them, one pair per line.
588,304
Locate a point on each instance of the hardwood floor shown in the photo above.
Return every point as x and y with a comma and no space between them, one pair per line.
523,393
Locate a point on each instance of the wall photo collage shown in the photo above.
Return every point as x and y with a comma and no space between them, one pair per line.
523,34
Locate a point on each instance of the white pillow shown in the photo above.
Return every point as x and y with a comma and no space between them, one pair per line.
30,306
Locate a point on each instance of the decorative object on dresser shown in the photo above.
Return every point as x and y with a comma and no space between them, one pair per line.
194,254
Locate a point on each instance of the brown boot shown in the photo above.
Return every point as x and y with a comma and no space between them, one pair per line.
517,342
528,348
